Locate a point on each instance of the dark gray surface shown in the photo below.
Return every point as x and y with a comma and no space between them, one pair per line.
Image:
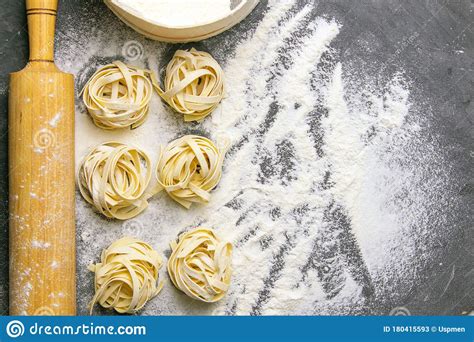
421,36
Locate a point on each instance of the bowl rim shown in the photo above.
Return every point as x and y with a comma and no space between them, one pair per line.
134,13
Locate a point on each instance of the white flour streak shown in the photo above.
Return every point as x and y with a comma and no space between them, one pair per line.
55,120
247,55
40,244
343,143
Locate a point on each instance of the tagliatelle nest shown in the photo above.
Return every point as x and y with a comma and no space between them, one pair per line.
127,276
189,168
200,265
193,84
113,178
118,96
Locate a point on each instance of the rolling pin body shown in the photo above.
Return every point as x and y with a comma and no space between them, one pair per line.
41,176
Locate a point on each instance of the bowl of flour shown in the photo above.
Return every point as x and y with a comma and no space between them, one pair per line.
181,21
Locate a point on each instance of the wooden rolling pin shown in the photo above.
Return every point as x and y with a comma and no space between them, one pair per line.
41,166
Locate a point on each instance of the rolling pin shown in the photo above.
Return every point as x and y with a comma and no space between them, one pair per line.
41,176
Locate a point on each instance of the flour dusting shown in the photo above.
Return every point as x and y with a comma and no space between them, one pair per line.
178,13
324,193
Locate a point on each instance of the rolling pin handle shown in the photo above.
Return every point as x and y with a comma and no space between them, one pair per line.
41,26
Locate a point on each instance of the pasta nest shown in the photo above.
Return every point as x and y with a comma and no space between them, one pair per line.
113,178
200,265
127,276
189,168
118,96
193,84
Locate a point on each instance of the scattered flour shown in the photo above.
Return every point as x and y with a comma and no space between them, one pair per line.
320,193
40,244
55,120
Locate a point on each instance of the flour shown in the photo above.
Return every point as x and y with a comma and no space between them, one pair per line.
178,13
324,194
40,244
55,120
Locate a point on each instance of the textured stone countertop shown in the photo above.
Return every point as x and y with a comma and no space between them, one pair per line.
433,42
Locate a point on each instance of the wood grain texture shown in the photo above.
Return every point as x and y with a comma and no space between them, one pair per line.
41,176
